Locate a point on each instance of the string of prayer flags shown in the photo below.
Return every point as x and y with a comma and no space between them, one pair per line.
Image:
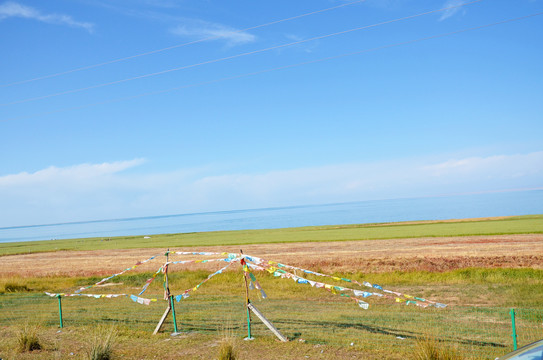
115,275
150,280
277,271
141,300
134,298
198,261
335,289
364,305
96,296
300,280
198,253
253,283
249,263
185,294
230,258
230,255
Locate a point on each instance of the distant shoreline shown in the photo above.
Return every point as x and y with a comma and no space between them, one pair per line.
487,205
503,225
135,218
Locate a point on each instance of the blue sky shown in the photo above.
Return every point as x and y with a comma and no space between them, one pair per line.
259,117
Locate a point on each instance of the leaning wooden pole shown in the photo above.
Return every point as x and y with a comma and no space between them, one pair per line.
266,322
162,319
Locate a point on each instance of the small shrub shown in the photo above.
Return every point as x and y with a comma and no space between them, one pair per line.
12,288
27,339
227,350
227,347
429,348
101,344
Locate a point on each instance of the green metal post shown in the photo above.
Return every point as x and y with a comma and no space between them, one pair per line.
173,314
60,311
512,312
249,324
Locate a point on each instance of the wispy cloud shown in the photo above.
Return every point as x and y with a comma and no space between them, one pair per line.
491,167
307,47
13,9
109,190
198,29
167,4
192,28
455,6
56,175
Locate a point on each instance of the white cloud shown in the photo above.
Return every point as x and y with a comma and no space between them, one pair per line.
167,4
499,166
198,29
13,9
55,175
455,7
368,181
100,191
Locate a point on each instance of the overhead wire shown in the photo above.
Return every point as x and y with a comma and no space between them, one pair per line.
179,45
276,68
238,55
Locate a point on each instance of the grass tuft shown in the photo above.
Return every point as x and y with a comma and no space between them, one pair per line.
428,348
13,288
27,338
227,350
227,346
102,343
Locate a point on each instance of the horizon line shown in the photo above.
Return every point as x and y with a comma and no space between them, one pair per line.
79,222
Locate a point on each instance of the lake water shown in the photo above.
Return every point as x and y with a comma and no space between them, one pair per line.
431,208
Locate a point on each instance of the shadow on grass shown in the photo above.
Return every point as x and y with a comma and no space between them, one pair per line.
381,330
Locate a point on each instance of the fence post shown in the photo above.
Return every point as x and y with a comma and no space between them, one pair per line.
60,310
249,324
512,312
173,315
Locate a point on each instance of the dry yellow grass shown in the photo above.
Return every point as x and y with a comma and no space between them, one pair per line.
431,254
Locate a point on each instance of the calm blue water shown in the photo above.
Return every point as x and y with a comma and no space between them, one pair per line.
435,208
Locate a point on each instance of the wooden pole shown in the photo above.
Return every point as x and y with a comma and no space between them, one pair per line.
166,297
166,285
267,323
247,301
162,319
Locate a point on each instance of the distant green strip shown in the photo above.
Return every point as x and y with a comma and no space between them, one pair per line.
530,224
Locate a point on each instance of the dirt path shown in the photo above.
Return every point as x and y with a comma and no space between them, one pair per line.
432,254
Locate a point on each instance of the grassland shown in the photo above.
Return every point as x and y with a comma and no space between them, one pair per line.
480,267
476,321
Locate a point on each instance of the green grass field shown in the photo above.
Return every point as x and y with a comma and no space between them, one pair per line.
476,323
531,224
320,325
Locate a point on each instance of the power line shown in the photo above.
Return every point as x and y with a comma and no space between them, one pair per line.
179,45
275,69
237,55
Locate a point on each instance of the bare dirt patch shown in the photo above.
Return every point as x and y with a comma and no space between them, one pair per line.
430,254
